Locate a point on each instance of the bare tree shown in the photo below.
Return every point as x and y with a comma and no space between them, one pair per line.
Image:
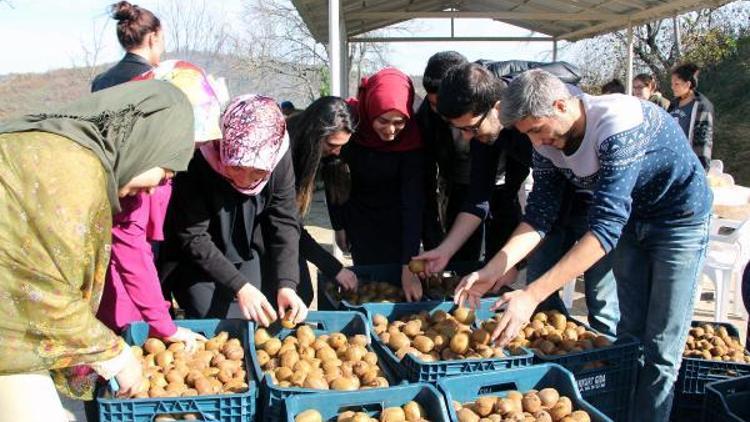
279,43
705,36
194,26
87,64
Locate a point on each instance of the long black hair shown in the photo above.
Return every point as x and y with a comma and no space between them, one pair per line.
308,131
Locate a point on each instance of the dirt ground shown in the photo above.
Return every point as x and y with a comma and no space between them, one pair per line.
319,226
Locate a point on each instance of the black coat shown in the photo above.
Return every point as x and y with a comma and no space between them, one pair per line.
383,216
126,69
211,229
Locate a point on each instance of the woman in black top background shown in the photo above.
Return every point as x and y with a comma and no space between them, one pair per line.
140,34
320,131
382,218
234,207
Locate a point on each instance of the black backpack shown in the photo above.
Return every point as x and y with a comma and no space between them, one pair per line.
508,69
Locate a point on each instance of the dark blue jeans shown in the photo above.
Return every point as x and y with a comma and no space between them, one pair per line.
600,286
657,267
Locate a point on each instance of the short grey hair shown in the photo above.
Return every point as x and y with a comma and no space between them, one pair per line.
531,94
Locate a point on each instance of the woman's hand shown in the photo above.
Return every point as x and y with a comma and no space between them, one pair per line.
520,305
347,279
189,337
254,305
411,284
289,301
341,241
130,378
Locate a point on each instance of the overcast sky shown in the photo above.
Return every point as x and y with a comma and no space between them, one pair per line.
39,35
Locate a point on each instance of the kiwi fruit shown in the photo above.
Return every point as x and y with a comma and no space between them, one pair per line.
416,266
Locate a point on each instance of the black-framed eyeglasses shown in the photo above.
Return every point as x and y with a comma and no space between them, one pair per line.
474,129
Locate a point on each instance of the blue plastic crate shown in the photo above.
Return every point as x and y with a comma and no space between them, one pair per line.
370,401
696,373
272,397
468,388
414,369
728,400
224,407
385,272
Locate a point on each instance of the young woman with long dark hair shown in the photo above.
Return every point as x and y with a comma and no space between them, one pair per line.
318,134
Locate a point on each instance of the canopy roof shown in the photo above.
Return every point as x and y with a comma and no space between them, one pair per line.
563,20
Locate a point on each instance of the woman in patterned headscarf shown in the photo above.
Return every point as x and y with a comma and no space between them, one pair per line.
232,209
62,176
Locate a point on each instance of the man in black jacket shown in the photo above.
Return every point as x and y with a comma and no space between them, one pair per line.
499,162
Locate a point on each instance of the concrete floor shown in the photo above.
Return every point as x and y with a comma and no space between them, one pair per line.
318,225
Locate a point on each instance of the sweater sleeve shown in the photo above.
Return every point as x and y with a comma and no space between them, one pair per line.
133,261
543,204
190,216
621,157
281,233
312,251
412,203
484,161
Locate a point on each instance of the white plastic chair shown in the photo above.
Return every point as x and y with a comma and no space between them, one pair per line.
728,253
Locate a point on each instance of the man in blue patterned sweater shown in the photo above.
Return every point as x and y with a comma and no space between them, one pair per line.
650,206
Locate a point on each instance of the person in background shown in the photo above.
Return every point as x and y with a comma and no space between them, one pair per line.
693,111
613,87
62,175
288,109
469,98
382,218
140,34
651,206
317,133
234,206
448,163
133,291
646,88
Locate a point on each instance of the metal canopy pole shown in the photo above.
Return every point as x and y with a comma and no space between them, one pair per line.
554,50
334,47
335,66
629,85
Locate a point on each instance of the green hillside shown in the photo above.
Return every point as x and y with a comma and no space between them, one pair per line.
727,85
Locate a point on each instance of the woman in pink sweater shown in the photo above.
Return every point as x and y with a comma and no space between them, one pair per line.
133,291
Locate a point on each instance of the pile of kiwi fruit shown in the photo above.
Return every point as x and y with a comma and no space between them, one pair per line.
438,336
410,412
714,343
550,333
169,370
368,292
546,405
327,362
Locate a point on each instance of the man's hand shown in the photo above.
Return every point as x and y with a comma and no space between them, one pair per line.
472,288
435,261
519,307
341,241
